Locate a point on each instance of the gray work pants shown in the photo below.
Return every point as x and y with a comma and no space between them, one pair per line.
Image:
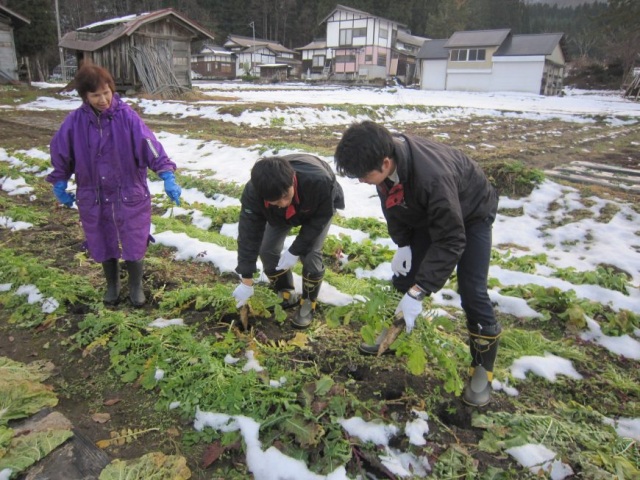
273,243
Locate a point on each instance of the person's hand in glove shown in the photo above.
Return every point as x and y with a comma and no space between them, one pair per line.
242,294
287,260
401,263
410,308
172,189
64,197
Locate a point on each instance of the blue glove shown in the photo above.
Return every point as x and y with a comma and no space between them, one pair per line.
170,186
64,197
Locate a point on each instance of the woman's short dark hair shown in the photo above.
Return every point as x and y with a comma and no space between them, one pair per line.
272,177
91,77
362,149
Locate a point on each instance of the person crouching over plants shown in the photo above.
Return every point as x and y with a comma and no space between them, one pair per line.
439,208
284,192
108,148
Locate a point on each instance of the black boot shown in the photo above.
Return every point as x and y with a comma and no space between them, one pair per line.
372,348
136,293
282,283
483,345
310,289
111,270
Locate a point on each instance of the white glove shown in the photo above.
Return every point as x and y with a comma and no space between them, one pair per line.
410,308
242,294
286,261
401,263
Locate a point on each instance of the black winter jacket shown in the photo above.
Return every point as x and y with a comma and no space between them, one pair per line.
318,195
444,191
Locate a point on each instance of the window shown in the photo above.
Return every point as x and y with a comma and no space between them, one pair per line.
346,36
360,32
368,58
458,55
468,55
318,60
477,54
384,33
345,59
382,60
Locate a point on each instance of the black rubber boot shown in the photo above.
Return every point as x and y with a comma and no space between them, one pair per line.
372,348
310,289
483,345
111,270
136,292
282,282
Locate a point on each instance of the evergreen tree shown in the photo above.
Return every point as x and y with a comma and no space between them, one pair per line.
451,16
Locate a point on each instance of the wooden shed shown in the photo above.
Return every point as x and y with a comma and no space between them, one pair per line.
9,20
149,51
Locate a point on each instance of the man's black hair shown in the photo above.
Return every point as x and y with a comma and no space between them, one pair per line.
272,177
362,149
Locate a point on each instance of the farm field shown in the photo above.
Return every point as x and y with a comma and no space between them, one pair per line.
182,378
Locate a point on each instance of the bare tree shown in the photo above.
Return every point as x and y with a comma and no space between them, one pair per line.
584,41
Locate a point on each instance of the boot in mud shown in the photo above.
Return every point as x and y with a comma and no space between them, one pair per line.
483,345
372,348
282,282
111,270
310,289
136,292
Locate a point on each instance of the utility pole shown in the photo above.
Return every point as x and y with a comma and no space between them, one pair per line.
62,65
253,47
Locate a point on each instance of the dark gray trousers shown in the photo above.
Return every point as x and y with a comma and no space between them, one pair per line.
273,243
472,270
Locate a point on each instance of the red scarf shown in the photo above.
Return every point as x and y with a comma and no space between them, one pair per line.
394,196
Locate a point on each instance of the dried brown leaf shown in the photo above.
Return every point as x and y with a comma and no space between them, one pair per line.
101,417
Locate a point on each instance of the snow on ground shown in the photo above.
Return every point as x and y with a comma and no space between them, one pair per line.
591,244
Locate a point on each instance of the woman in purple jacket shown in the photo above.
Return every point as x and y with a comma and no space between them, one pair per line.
108,148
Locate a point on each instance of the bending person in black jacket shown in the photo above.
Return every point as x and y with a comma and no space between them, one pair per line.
439,208
285,192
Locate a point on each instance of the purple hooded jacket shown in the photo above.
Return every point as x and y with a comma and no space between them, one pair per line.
109,153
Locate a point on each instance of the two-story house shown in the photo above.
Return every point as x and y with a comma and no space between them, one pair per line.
253,54
214,62
363,46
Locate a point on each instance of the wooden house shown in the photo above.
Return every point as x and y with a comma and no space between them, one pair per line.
274,72
494,60
214,62
149,51
9,20
252,53
404,64
314,60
